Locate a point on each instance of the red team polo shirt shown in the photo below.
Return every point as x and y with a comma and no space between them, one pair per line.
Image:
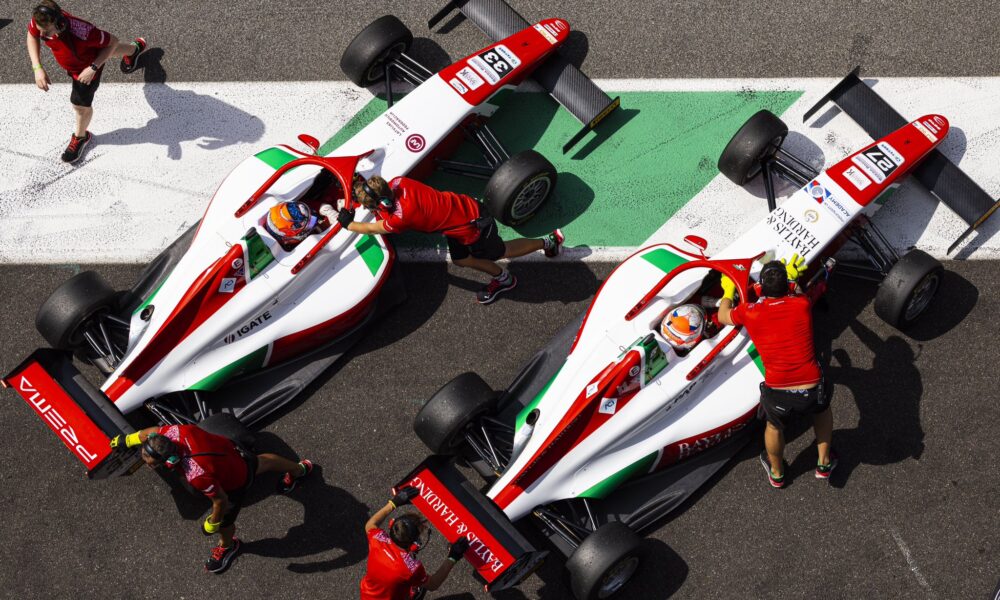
220,466
75,47
420,207
392,571
782,331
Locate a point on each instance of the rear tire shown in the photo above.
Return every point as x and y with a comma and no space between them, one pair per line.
605,561
441,422
758,140
908,289
519,187
64,313
228,426
365,56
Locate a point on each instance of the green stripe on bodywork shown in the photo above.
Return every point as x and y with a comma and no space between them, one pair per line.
258,254
752,351
521,416
146,302
639,467
250,362
275,157
371,253
664,260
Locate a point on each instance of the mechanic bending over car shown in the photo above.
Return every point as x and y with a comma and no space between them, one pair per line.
780,326
217,467
394,572
405,204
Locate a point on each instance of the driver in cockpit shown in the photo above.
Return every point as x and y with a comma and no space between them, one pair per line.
289,223
684,326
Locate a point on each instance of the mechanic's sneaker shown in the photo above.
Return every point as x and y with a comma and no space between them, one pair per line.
130,63
776,482
494,288
75,148
287,483
222,557
553,243
824,471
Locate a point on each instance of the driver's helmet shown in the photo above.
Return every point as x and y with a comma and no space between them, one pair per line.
291,221
683,326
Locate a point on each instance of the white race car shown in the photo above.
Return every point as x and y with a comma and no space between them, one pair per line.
235,318
610,426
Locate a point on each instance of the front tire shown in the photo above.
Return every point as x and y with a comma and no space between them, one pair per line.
908,289
63,316
441,422
758,140
519,187
605,561
365,56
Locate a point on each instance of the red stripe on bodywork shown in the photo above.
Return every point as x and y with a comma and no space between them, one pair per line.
688,447
202,300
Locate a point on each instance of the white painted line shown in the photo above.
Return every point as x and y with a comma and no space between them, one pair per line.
912,564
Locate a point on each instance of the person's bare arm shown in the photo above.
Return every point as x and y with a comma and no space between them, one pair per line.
439,576
35,55
376,520
88,74
220,502
368,228
725,308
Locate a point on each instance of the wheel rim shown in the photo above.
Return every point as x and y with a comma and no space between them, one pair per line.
375,71
769,151
530,198
921,297
618,576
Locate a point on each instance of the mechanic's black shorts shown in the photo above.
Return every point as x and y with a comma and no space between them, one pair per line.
83,94
488,246
237,497
777,406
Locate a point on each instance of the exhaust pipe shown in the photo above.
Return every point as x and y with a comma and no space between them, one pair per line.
522,437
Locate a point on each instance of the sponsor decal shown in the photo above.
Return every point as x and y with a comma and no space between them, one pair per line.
227,285
505,54
250,326
856,177
792,232
237,264
560,24
823,196
608,406
469,77
810,216
545,33
692,447
56,421
879,161
495,64
939,120
633,371
551,29
924,129
455,83
397,125
415,143
484,69
592,389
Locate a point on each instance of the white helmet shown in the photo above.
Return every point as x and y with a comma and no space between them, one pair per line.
683,326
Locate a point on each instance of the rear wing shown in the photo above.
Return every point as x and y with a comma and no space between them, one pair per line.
500,555
567,84
80,415
938,174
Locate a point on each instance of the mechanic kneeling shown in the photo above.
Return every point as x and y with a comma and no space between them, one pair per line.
218,468
780,325
394,571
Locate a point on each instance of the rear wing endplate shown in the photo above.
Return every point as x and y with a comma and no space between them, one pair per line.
567,84
80,415
938,174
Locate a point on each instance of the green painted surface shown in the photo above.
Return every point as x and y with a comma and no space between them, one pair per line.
148,300
664,259
639,467
275,157
620,184
371,253
258,254
521,416
752,351
250,362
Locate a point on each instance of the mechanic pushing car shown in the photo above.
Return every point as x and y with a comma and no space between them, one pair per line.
780,326
217,467
405,204
394,572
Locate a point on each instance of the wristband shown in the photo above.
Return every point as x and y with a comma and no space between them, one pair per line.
36,67
453,560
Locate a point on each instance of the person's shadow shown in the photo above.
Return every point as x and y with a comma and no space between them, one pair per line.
183,116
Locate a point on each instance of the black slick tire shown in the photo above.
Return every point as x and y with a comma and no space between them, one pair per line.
62,316
604,563
444,417
908,289
519,187
757,140
364,57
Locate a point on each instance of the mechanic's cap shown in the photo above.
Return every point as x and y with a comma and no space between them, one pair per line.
289,218
683,326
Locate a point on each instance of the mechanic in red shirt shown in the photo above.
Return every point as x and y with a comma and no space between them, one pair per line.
217,467
394,572
473,240
81,49
780,326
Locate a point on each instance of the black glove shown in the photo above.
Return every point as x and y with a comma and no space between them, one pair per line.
345,217
458,549
404,496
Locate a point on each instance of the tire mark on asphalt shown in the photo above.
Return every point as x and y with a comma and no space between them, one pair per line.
912,563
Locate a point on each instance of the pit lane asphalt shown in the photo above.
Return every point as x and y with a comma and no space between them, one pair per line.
912,509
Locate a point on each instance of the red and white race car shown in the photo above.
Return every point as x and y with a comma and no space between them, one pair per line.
610,427
232,319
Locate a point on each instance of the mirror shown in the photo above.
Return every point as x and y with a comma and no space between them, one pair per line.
310,141
698,242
